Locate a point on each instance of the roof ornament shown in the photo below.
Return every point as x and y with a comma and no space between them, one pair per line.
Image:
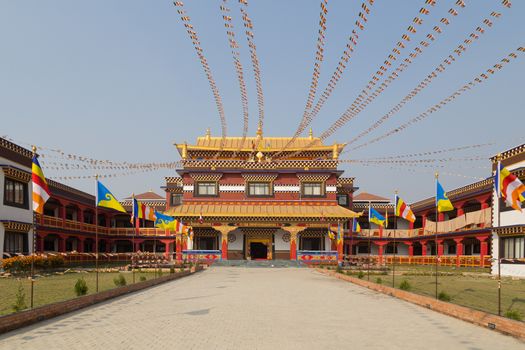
311,134
259,156
335,151
208,133
259,132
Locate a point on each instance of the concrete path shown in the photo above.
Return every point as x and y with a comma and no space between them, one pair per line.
240,308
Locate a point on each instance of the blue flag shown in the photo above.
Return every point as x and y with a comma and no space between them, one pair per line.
164,221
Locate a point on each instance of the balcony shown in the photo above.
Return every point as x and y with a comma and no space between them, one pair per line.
54,222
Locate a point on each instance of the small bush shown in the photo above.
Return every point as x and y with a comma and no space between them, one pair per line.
514,315
81,287
338,269
120,281
20,301
142,278
379,280
160,272
172,270
405,285
444,296
360,275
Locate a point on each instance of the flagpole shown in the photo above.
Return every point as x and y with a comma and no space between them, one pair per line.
352,239
96,230
435,237
134,233
395,248
369,240
34,245
498,196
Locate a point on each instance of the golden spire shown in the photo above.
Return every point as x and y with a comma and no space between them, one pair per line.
311,134
259,132
208,133
335,151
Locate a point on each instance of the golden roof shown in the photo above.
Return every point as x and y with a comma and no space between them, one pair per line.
260,209
264,144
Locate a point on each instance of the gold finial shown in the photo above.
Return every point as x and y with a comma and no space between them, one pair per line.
311,134
259,131
208,133
436,174
259,156
498,157
33,148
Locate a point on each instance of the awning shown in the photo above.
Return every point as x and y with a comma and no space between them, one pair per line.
262,211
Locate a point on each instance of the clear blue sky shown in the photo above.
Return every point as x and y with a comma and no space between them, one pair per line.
120,80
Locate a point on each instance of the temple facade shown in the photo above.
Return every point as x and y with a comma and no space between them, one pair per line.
245,199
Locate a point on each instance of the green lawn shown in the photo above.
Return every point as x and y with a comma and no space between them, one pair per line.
473,287
54,288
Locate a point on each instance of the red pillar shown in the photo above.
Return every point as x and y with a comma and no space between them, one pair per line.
40,243
410,248
178,247
224,244
380,250
459,250
62,214
423,248
138,242
441,217
167,243
62,244
80,244
293,245
424,220
483,249
440,247
411,225
460,211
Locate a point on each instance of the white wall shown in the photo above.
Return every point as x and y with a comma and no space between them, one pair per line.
278,239
237,245
13,213
508,218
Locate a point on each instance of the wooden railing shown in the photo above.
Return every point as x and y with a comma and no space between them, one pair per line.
50,221
444,260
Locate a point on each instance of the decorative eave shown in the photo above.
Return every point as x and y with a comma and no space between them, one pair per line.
345,181
364,206
16,226
513,152
219,165
458,193
16,173
514,230
14,152
174,180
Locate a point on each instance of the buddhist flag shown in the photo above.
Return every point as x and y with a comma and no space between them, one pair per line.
403,210
136,210
165,221
442,201
106,199
149,213
375,217
509,187
41,192
355,226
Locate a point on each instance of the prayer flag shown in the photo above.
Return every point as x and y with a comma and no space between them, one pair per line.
41,191
106,199
442,201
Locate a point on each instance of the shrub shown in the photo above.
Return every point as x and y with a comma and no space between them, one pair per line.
81,287
142,278
22,263
379,280
20,301
514,315
405,285
120,281
338,269
444,296
172,269
360,275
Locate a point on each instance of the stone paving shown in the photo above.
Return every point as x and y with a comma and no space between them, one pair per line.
256,308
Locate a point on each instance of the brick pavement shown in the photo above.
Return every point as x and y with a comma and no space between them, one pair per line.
256,308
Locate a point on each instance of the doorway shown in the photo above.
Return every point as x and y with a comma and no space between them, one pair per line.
258,251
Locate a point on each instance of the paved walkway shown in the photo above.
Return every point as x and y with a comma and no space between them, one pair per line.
240,308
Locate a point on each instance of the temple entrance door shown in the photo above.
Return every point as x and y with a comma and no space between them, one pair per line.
258,251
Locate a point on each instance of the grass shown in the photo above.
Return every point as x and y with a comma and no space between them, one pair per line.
475,291
473,287
54,288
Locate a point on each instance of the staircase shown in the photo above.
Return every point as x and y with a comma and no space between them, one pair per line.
260,263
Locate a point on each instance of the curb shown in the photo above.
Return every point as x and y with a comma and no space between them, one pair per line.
480,318
25,318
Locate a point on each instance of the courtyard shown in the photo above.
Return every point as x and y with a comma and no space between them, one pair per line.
258,308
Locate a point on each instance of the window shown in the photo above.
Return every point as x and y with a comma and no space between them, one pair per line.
259,189
15,193
342,199
176,199
206,189
313,189
514,248
15,242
